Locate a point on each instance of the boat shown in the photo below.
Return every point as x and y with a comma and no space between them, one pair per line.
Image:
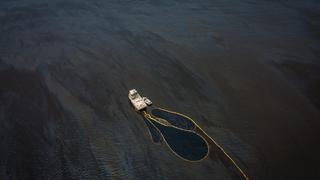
147,101
139,103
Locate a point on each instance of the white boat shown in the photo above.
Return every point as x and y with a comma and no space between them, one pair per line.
137,101
147,101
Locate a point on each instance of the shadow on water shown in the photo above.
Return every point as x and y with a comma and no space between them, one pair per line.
186,144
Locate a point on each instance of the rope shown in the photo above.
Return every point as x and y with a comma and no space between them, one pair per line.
146,115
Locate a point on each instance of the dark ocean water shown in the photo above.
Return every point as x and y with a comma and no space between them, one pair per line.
247,71
154,132
174,119
185,144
